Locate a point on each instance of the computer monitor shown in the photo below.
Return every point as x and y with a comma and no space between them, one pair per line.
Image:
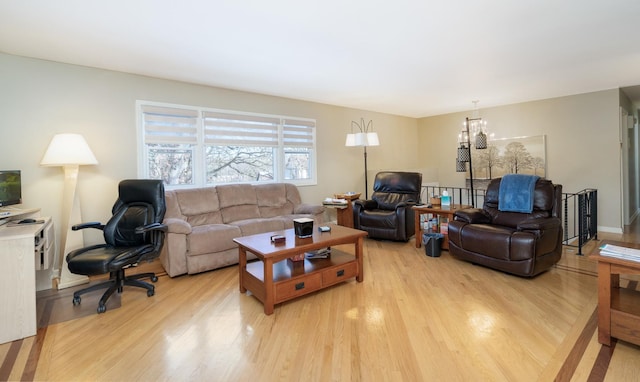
10,187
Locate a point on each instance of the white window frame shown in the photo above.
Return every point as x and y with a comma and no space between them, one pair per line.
198,138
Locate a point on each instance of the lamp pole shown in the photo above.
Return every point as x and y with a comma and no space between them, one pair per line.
473,202
366,180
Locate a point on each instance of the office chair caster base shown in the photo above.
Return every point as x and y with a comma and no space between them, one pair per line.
150,292
101,309
76,300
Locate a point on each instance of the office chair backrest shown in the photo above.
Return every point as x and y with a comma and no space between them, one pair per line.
392,187
140,202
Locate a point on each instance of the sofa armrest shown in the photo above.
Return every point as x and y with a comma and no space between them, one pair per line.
310,209
472,216
176,225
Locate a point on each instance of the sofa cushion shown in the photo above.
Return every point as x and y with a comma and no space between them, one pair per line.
272,200
260,225
238,202
212,238
200,205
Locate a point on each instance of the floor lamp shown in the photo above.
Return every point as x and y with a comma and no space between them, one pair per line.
69,151
475,127
364,138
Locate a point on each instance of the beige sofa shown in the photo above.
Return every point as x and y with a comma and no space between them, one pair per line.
204,221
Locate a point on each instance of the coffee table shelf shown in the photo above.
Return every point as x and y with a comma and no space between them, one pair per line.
294,279
275,279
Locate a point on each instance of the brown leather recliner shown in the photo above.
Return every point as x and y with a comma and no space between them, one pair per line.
523,244
388,215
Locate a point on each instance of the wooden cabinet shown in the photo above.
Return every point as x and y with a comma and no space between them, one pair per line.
618,308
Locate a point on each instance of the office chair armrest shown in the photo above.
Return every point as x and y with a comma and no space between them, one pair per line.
152,227
96,225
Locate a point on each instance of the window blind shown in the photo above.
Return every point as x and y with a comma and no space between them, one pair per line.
165,125
240,130
298,133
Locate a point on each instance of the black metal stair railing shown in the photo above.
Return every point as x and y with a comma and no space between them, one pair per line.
579,218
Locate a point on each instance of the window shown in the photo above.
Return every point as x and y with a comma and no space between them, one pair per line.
190,146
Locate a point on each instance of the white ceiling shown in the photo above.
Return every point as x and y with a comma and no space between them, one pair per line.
407,57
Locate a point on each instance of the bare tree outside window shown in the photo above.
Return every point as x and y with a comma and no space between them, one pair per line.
196,146
296,163
171,163
228,164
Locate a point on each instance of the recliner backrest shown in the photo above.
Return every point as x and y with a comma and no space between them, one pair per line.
391,188
140,202
546,203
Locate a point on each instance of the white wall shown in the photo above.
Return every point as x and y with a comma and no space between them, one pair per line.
582,137
41,98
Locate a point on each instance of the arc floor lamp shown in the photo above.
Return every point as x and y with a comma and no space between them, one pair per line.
366,137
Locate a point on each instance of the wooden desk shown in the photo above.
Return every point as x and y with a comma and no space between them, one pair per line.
435,210
618,308
23,250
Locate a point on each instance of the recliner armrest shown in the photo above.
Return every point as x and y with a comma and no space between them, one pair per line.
540,224
366,204
472,216
310,209
176,225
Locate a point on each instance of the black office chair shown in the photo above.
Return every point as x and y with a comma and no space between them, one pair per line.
133,234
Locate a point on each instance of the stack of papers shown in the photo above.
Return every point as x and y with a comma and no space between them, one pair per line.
334,201
319,254
620,252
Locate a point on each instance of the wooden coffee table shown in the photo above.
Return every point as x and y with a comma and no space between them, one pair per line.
275,278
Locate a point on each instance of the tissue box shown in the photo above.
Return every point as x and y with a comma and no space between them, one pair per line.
303,227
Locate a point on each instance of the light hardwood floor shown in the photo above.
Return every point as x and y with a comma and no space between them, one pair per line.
414,318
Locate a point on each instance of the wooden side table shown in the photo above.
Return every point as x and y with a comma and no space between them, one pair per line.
435,210
344,210
618,308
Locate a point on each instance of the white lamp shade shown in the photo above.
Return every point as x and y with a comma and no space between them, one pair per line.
351,140
68,149
372,139
362,139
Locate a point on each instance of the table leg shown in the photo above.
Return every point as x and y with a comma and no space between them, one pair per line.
418,231
359,252
268,286
604,303
242,260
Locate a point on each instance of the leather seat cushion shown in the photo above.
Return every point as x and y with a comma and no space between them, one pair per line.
489,240
378,219
101,259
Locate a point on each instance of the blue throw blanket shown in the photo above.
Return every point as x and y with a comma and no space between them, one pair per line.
516,193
